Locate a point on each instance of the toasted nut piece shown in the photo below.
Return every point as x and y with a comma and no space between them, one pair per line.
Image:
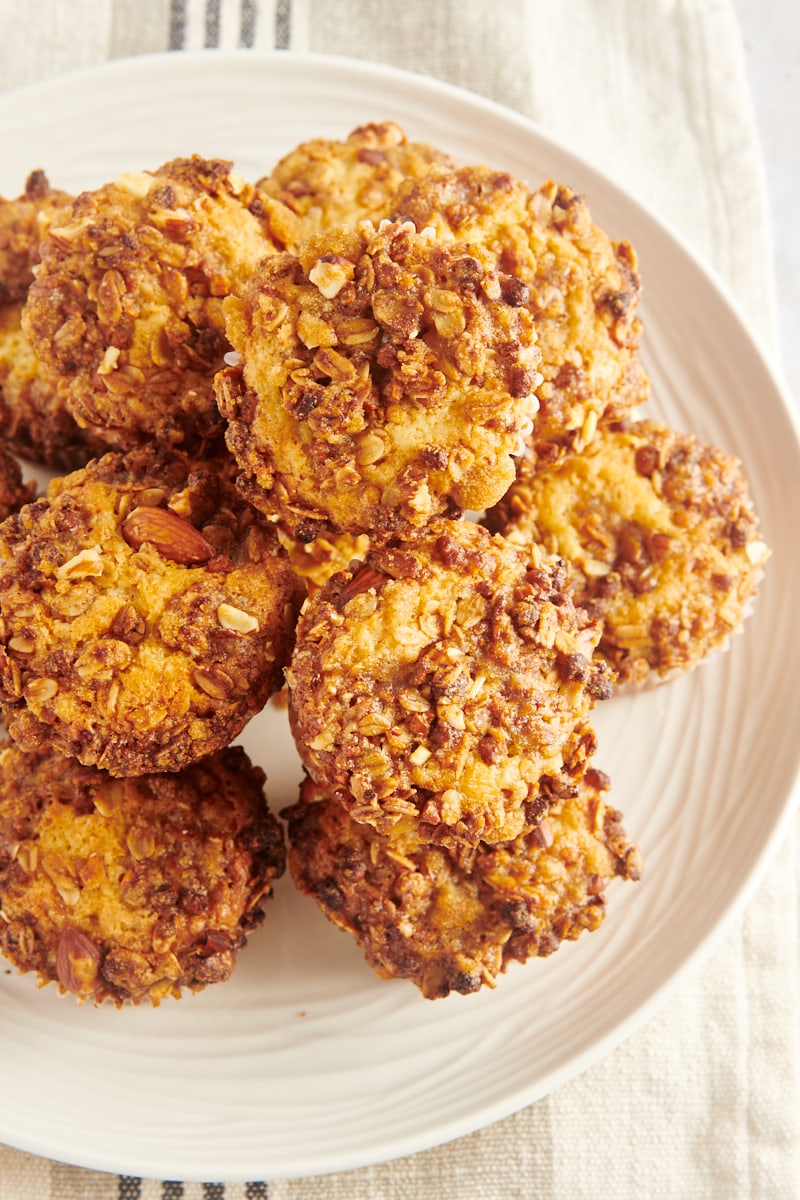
452,714
150,497
331,274
236,619
109,361
86,563
171,535
544,833
213,682
757,552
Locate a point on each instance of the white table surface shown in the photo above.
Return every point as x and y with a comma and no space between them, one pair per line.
771,33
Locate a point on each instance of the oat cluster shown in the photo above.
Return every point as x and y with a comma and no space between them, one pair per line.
366,429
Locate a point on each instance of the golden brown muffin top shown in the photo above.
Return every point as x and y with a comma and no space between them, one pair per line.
126,307
661,539
127,890
384,380
327,181
581,287
419,915
147,613
443,680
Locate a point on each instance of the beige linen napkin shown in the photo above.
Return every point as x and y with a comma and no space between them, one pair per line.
704,1103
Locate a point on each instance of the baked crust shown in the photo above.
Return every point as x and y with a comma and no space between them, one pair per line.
581,287
23,222
384,381
421,915
132,890
126,307
147,613
33,416
329,182
444,680
318,561
661,539
14,491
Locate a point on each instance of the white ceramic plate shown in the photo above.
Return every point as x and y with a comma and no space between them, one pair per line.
305,1062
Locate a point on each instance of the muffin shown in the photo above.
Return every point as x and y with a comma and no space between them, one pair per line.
328,181
147,613
444,680
384,380
419,914
126,306
135,889
660,536
581,287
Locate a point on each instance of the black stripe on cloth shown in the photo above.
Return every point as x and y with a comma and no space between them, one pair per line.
212,25
129,1187
177,24
171,1190
213,1191
283,24
247,24
256,1191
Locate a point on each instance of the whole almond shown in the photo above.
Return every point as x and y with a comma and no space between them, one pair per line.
171,535
77,962
364,579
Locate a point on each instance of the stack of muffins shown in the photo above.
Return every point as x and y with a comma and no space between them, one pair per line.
367,429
